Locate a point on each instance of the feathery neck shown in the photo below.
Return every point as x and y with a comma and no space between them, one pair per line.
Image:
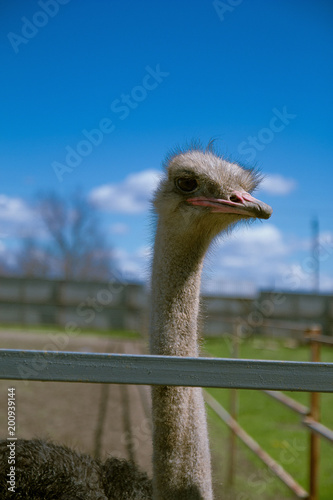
175,291
180,438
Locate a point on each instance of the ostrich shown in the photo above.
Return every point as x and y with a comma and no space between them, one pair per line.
200,195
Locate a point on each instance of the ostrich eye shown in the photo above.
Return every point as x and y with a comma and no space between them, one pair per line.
187,184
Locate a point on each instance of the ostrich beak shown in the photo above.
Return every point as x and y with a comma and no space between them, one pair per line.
239,202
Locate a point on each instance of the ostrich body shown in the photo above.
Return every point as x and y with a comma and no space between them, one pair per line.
200,195
45,471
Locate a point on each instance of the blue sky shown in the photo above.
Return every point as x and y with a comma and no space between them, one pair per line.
256,75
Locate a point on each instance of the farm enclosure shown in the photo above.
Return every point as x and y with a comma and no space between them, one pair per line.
75,418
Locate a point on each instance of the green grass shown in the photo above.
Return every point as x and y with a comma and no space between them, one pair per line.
275,427
119,334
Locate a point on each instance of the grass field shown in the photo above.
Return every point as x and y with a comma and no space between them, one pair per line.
275,427
54,329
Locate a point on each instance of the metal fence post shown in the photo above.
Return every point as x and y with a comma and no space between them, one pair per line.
315,415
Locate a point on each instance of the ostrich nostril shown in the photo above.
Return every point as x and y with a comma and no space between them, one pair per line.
236,198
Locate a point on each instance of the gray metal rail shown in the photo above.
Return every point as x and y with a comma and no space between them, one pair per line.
166,370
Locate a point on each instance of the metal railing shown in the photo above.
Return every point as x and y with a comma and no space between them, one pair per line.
310,416
313,376
52,366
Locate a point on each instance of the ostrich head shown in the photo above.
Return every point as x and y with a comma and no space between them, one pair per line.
204,194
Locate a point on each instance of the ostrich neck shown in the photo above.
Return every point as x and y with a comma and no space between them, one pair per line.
175,292
180,440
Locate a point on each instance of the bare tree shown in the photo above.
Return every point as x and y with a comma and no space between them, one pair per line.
32,259
75,247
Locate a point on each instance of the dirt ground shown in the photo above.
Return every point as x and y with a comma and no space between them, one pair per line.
97,419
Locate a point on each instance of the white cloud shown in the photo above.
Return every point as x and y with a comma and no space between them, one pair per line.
134,265
14,209
276,184
254,257
132,195
19,220
252,254
255,241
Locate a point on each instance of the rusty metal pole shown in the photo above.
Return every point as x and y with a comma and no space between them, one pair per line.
233,411
315,415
